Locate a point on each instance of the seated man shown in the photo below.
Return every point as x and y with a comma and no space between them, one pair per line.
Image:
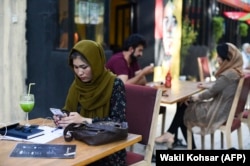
125,65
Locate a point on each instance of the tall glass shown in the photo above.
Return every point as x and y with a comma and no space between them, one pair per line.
27,102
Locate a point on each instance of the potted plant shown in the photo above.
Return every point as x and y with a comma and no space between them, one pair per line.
217,27
188,37
243,28
217,31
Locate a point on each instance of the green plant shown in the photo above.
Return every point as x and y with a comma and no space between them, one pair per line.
218,27
188,37
243,28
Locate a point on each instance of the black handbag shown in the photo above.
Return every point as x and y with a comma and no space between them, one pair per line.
96,133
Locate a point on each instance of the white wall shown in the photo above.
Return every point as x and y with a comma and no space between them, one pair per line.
13,52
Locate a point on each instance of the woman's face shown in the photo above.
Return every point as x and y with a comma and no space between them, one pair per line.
82,69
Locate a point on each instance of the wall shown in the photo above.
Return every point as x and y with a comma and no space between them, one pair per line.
12,58
146,26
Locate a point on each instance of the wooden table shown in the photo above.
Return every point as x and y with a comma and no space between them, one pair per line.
85,154
179,90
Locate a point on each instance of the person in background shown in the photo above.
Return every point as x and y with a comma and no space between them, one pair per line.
246,55
125,64
210,108
96,94
171,136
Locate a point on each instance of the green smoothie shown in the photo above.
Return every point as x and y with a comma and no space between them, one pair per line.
27,106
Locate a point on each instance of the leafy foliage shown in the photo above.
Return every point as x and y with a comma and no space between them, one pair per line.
218,27
188,37
243,29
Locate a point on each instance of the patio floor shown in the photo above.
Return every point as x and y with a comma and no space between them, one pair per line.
169,116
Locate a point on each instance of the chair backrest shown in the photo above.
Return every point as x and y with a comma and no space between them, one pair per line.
240,99
142,111
204,68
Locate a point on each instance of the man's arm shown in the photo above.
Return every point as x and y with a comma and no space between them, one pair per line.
140,76
138,79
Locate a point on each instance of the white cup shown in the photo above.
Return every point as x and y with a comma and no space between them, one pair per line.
182,77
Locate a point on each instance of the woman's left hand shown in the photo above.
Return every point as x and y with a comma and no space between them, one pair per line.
192,99
195,97
205,85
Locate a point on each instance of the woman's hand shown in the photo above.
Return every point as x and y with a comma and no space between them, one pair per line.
73,117
192,99
205,85
195,97
57,118
201,85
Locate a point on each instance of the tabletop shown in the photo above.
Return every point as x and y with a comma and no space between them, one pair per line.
85,154
178,91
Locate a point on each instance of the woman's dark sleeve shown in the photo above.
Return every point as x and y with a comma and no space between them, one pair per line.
117,103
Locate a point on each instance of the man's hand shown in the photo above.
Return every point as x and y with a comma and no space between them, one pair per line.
148,69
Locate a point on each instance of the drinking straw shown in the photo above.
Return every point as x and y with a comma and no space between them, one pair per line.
30,86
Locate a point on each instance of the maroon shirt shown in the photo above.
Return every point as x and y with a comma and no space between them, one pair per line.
118,65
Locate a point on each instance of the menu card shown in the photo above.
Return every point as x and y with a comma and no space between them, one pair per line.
43,151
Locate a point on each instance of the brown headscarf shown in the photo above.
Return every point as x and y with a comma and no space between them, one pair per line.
94,96
235,63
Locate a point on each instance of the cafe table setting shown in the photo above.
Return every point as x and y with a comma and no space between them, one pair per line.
51,148
178,91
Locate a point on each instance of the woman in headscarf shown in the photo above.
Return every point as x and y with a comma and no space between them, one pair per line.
95,94
211,107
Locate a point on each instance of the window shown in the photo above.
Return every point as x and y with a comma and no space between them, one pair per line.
87,22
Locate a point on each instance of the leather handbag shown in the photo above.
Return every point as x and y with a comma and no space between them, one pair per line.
96,133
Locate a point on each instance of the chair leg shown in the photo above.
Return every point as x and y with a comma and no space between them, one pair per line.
189,139
248,121
131,148
202,142
247,106
228,138
221,140
212,140
239,132
163,123
248,124
163,111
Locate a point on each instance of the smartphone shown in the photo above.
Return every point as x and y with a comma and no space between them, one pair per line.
57,112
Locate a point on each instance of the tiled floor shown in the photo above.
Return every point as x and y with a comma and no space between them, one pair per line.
169,116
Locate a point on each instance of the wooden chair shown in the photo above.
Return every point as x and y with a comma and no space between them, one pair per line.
142,110
204,68
158,77
245,118
234,119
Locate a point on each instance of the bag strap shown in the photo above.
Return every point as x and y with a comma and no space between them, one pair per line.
67,132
